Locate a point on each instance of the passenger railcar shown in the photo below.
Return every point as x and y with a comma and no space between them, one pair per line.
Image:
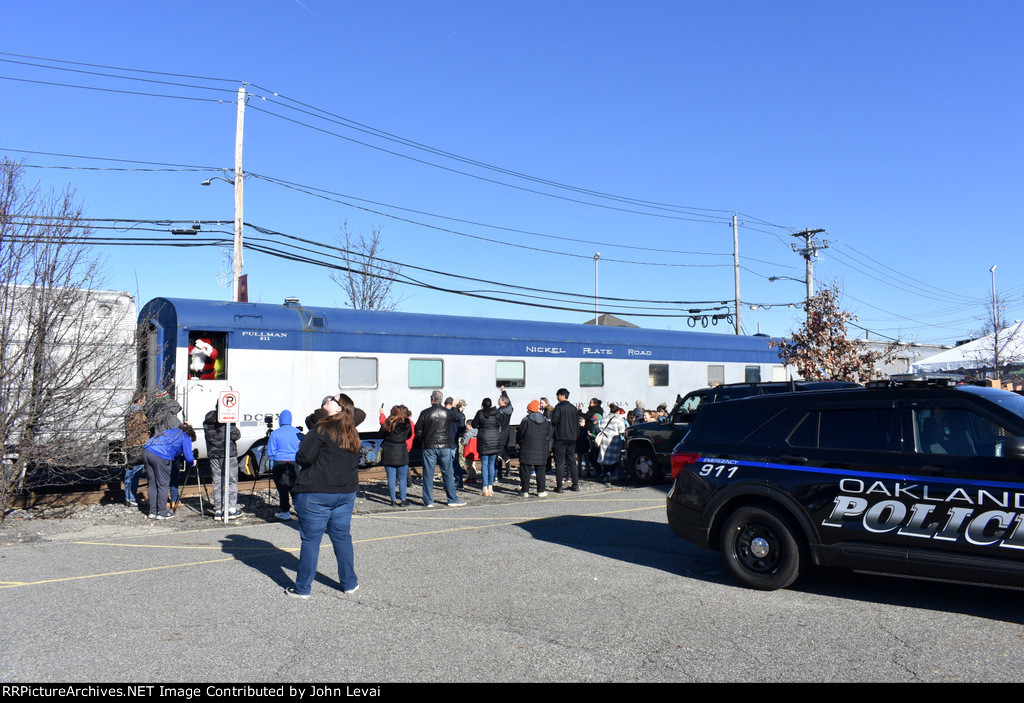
290,356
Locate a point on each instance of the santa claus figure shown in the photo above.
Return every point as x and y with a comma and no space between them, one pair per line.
202,356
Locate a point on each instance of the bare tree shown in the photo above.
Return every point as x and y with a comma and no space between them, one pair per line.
369,279
66,348
1001,343
822,349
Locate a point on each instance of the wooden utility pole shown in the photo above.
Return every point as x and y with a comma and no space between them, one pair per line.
809,251
736,266
236,267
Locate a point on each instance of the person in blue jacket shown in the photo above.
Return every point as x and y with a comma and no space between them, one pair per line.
158,455
281,448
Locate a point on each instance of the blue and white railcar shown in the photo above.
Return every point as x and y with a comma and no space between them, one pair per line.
290,356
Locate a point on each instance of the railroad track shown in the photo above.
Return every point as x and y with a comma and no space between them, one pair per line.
56,497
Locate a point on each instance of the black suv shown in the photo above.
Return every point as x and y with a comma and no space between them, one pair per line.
923,479
649,444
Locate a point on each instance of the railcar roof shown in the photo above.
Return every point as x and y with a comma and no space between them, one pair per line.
191,314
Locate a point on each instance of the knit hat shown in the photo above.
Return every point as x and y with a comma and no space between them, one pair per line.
533,407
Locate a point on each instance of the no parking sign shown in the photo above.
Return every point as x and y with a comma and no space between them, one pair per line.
228,412
228,407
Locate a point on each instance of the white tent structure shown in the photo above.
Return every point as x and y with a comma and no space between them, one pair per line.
977,354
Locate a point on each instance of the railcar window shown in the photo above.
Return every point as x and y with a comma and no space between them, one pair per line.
207,355
426,373
591,374
657,374
511,374
357,372
752,374
716,374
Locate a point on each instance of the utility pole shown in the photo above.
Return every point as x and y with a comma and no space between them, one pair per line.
236,267
596,257
995,325
809,251
736,266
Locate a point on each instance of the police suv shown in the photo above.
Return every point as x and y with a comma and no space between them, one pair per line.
922,478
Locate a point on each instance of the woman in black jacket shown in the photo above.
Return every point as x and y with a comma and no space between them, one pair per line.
325,494
487,423
396,431
534,438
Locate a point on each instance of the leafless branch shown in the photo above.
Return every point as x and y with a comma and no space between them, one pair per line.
369,280
66,347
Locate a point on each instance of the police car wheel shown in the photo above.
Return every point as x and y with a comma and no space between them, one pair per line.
644,466
760,549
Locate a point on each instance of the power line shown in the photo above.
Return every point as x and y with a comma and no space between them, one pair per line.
346,122
619,304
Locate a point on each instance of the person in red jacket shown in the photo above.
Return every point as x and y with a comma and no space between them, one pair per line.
202,360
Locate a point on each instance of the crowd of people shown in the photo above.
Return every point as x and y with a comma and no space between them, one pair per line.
316,472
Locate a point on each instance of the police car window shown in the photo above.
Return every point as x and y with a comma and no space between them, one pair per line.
957,432
859,429
733,425
806,433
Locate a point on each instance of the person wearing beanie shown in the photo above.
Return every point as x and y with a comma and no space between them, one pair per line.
534,438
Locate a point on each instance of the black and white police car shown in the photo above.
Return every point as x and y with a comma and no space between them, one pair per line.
920,478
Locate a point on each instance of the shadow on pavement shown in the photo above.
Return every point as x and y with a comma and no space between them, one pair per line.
277,564
653,545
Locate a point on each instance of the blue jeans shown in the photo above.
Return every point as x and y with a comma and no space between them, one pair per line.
319,513
131,481
431,458
487,469
401,473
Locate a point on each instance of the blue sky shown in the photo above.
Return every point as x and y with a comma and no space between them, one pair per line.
895,127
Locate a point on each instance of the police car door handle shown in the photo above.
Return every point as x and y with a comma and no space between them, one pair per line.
794,459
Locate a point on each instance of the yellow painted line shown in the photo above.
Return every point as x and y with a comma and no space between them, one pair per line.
165,546
502,523
116,573
450,516
432,532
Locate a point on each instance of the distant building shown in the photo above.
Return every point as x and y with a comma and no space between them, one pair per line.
608,320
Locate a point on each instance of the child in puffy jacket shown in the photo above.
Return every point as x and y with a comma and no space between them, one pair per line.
469,451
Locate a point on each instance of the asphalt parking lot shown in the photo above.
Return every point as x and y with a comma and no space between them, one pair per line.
588,587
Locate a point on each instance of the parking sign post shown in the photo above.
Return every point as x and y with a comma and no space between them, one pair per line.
227,412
